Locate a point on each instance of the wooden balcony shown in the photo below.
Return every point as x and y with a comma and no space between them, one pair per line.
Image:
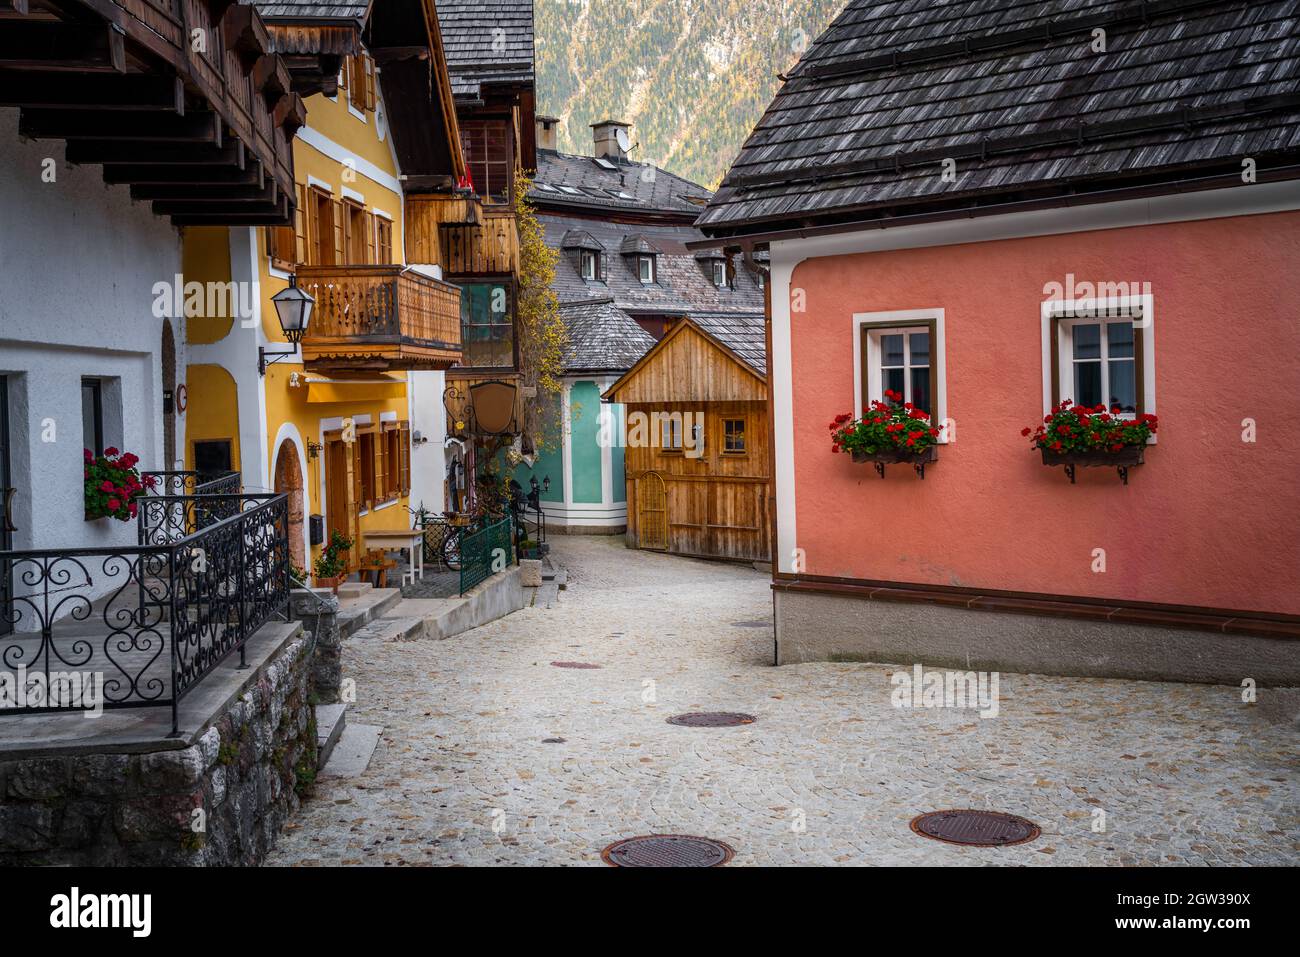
201,130
379,318
461,235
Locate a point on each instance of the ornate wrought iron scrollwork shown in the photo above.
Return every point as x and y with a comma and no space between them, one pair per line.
144,625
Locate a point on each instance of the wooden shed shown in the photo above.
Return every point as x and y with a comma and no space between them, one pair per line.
696,429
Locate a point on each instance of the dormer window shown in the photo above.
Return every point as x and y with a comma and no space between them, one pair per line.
590,264
645,268
720,273
641,255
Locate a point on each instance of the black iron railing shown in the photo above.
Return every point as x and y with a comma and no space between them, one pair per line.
191,482
141,627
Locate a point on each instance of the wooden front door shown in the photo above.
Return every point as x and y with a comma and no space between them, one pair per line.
651,512
341,510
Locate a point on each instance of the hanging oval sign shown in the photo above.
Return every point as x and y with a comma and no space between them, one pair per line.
182,397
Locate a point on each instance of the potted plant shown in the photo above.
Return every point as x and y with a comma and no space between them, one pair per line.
888,432
331,568
113,484
529,548
1072,435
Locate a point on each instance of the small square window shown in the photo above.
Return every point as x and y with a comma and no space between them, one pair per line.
1102,364
733,436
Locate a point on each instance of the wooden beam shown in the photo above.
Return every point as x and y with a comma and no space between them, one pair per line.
271,78
193,175
145,127
245,33
291,114
66,91
231,153
52,45
181,208
207,193
279,217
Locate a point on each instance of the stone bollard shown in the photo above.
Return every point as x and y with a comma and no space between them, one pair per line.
318,610
530,572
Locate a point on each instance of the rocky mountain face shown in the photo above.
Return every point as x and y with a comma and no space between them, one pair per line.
691,76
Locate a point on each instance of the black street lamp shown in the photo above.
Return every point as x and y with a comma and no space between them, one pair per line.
293,307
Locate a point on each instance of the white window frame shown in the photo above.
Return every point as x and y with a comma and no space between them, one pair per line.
645,269
873,325
588,256
720,273
1069,313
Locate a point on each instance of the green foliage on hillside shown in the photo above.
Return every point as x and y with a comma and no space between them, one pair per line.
691,76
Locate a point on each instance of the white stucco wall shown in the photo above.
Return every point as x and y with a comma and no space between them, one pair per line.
78,262
428,459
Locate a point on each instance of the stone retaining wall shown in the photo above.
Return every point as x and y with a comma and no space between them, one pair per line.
220,801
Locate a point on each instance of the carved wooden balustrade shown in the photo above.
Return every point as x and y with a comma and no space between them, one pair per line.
379,318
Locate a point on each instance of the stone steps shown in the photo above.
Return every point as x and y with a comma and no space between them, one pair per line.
370,604
392,629
331,720
351,756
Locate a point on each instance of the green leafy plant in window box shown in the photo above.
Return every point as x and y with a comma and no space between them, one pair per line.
1073,435
887,433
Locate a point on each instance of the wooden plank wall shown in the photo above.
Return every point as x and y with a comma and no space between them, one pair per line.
717,503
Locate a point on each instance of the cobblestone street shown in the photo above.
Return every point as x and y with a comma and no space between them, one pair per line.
491,755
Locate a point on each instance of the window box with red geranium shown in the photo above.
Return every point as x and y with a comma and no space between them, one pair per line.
113,483
1091,437
888,433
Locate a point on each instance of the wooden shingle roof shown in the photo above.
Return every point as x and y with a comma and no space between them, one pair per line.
1021,99
602,337
487,42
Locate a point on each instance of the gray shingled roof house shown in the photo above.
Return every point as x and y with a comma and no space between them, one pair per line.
622,211
1015,95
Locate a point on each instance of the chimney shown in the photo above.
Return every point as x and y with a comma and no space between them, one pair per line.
547,132
605,134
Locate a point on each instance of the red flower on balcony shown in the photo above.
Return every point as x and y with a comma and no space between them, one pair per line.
1072,428
113,484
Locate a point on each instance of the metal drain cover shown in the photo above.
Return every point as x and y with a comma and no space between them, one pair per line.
667,850
711,719
976,828
573,664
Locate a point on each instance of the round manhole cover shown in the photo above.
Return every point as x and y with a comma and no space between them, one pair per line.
573,664
711,719
976,828
667,850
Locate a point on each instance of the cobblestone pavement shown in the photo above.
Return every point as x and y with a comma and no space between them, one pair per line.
490,755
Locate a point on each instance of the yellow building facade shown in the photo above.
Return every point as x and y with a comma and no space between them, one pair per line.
330,422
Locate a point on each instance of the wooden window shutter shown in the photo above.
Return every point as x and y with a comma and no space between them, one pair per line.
404,453
300,225
340,245
369,220
353,499
370,84
381,466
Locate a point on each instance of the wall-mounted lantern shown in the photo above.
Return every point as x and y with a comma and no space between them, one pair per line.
293,307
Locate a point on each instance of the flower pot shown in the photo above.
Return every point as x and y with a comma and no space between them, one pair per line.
1096,458
918,460
332,583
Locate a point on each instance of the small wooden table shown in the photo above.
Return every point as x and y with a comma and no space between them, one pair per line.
412,539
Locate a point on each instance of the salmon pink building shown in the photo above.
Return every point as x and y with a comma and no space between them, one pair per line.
1034,324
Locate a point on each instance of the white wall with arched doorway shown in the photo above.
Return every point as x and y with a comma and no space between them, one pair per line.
289,474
